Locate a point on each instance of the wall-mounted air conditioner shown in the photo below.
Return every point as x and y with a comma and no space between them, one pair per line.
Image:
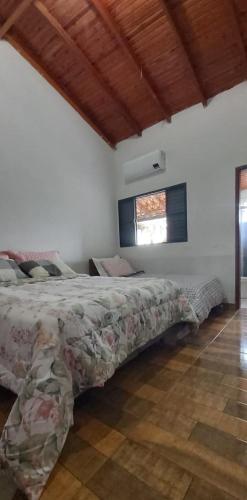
144,166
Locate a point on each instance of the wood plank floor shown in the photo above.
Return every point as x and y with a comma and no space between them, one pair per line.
172,424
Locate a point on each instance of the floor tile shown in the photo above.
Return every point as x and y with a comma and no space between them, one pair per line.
113,482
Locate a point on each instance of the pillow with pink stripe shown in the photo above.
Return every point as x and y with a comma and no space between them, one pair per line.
4,256
24,256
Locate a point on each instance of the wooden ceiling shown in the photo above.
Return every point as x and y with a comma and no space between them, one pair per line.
127,64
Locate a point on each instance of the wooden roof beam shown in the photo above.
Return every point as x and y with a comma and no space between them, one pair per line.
70,42
114,29
186,56
21,47
239,35
7,25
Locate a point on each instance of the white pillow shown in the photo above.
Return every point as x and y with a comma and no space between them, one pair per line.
98,264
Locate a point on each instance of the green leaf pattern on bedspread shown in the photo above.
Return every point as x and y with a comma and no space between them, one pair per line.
60,337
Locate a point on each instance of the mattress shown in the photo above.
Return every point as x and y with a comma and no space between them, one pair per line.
203,292
60,337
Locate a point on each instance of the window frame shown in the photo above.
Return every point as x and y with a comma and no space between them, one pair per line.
167,189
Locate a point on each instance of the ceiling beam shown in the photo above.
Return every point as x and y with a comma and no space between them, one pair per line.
25,51
114,29
16,14
186,56
78,51
239,35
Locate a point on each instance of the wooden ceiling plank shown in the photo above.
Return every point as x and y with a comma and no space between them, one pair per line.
71,43
187,57
21,47
7,25
114,29
239,35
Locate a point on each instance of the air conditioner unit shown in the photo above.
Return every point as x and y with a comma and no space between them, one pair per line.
144,166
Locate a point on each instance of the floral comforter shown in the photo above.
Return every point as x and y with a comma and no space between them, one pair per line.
60,337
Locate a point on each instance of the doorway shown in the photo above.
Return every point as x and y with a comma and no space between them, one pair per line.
241,237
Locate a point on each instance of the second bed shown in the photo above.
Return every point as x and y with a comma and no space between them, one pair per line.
204,292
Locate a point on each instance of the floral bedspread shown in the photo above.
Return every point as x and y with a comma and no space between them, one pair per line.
60,337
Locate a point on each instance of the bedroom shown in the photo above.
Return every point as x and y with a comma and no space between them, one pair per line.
170,423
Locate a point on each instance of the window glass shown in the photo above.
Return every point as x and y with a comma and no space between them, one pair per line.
151,224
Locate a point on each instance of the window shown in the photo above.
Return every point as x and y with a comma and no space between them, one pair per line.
151,218
156,217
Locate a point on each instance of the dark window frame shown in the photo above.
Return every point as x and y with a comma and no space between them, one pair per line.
130,240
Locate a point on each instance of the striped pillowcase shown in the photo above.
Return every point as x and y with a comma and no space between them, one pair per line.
9,271
40,269
45,268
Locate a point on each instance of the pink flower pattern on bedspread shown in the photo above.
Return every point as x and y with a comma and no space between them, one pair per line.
60,337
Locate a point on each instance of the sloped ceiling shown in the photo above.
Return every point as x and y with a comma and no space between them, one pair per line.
127,64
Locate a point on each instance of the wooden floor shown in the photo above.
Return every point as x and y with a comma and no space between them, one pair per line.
172,424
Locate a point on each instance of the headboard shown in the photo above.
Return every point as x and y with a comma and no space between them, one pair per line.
92,268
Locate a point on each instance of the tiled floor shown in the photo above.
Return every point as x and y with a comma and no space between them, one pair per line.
172,424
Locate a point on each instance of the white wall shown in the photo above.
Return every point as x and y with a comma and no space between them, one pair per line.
56,174
203,148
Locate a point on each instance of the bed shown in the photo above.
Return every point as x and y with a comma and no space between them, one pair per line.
204,292
60,337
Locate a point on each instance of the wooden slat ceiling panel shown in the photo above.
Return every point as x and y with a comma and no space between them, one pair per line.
106,115
86,28
134,15
93,37
68,10
241,11
209,29
155,44
157,47
126,16
7,7
105,53
161,55
109,118
125,65
43,39
134,92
